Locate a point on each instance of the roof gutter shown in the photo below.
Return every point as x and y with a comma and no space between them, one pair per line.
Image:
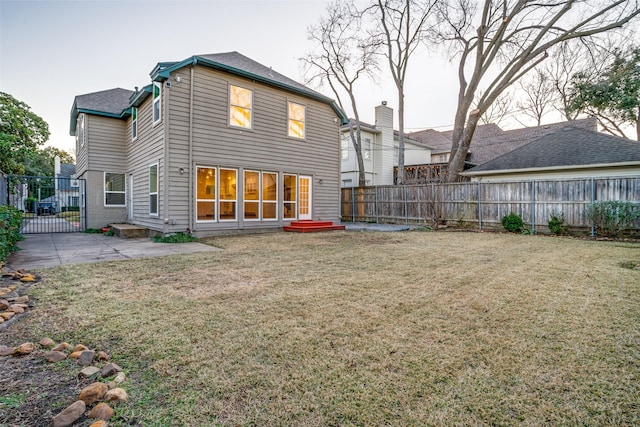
551,168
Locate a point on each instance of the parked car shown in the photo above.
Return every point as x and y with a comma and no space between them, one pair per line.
46,208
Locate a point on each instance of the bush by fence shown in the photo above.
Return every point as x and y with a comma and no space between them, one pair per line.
10,221
483,204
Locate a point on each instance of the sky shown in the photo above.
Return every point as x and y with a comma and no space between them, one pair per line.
51,51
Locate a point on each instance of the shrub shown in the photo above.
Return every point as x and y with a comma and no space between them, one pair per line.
513,223
10,222
610,218
556,224
175,238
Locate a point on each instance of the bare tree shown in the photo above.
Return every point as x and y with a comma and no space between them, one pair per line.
539,96
497,112
498,42
403,25
343,54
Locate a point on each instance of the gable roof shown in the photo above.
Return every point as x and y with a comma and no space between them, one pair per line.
116,102
566,147
240,65
109,103
66,170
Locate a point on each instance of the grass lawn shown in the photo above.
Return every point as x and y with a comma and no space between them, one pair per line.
364,329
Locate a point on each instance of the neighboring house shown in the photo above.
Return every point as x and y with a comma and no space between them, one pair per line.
215,144
379,151
489,141
67,186
567,152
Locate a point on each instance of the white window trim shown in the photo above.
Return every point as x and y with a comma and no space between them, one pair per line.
153,102
259,201
81,127
134,123
366,152
272,202
295,202
104,190
344,150
250,127
215,199
221,200
157,213
303,121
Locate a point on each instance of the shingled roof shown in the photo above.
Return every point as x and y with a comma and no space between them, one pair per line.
565,147
110,103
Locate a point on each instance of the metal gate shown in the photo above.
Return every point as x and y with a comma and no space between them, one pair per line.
48,204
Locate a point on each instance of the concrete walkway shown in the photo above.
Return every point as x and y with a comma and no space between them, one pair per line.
55,249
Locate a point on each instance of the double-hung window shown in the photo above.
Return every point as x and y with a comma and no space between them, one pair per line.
157,106
153,189
290,196
260,195
240,106
134,123
344,148
228,194
367,149
114,189
269,196
296,120
206,194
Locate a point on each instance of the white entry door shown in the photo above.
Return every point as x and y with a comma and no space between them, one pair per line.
304,200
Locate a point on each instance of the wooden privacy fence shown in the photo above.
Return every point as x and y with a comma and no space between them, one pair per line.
483,204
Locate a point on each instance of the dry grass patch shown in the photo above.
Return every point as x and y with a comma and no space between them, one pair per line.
365,329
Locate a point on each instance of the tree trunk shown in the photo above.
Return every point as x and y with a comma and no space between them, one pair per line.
456,163
400,177
356,140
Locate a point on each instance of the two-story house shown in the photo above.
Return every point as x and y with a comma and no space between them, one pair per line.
214,144
379,151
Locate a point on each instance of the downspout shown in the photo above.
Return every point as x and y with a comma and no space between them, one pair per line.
165,182
191,174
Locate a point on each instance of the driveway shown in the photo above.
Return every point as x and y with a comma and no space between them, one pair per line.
51,224
55,249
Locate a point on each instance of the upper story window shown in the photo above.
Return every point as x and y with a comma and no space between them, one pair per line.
134,123
367,149
80,132
344,148
157,107
240,106
296,120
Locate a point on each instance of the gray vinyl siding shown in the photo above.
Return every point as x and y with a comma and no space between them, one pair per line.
98,215
265,147
107,140
146,150
103,151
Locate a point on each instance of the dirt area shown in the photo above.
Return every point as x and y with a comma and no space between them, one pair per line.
33,390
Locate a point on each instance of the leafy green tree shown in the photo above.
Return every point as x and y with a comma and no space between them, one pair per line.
21,133
42,163
613,96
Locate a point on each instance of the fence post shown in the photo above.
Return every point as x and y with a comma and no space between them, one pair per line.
376,205
533,206
353,205
479,208
593,202
406,216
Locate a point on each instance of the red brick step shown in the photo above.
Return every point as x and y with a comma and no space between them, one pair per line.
309,226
